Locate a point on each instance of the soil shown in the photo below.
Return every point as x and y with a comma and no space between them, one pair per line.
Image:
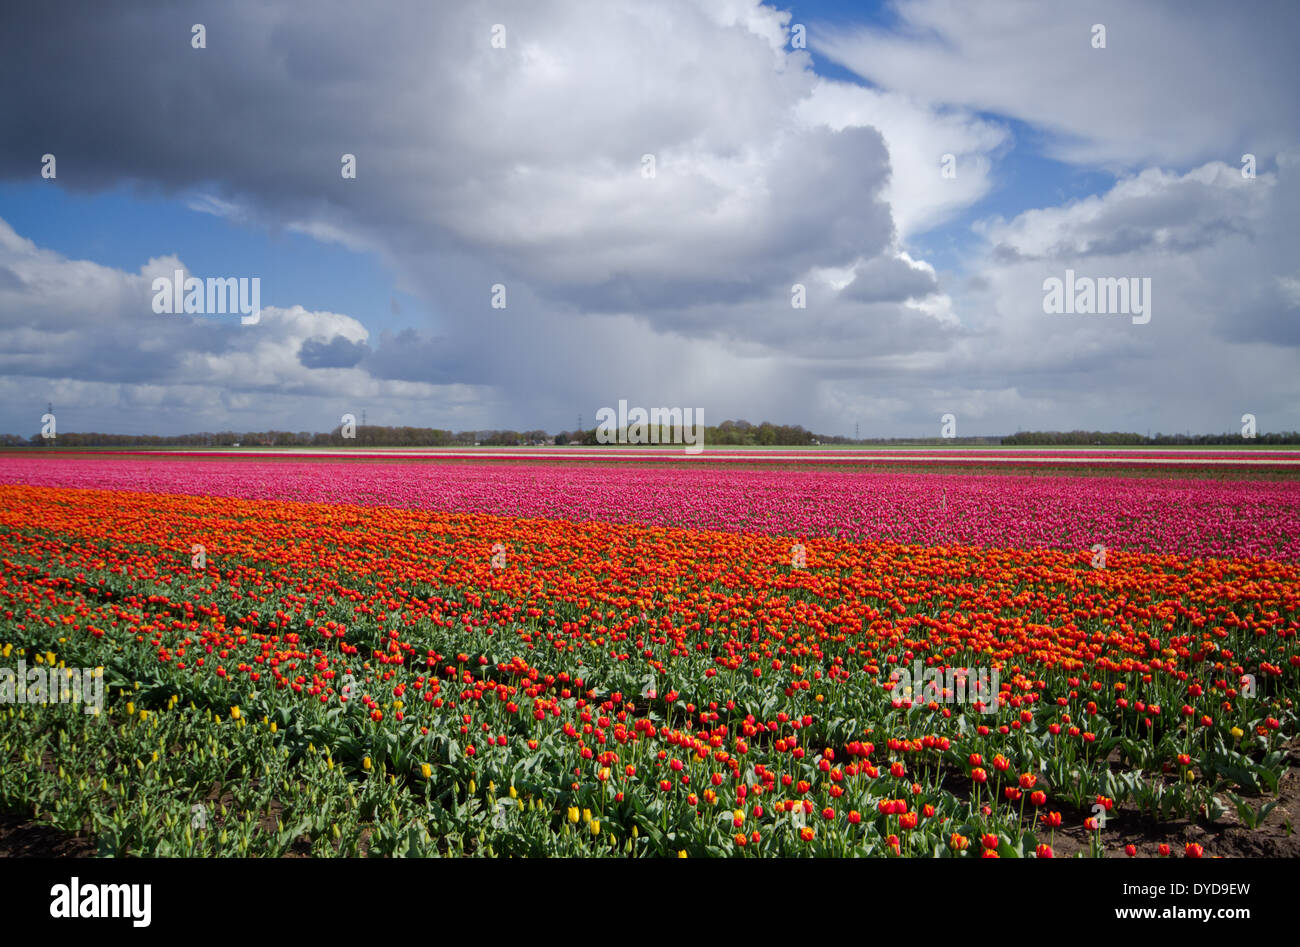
22,838
1226,838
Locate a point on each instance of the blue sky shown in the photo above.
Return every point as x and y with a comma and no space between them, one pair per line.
124,227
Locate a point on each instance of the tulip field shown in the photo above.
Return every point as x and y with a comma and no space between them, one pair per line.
325,657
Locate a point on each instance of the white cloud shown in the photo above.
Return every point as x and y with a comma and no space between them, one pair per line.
1177,82
918,137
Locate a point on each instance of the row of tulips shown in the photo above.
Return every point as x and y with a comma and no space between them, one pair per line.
1185,516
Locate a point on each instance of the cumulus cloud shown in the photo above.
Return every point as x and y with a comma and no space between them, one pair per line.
87,335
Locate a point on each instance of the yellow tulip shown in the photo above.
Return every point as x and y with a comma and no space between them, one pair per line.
426,770
234,713
594,826
682,853
573,814
365,764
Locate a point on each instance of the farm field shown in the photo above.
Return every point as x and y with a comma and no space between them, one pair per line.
337,657
1188,516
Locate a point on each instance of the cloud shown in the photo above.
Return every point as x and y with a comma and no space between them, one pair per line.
410,356
86,336
338,352
1177,82
892,279
1218,245
918,137
525,167
530,155
521,166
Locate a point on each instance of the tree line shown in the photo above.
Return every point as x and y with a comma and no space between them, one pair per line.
1127,439
727,434
365,436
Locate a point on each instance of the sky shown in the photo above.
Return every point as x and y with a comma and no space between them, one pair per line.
560,205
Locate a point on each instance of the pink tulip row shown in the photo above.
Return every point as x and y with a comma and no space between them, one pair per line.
1189,517
1173,517
1061,456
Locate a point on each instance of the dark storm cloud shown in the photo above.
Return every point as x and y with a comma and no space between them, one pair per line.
116,92
338,352
410,356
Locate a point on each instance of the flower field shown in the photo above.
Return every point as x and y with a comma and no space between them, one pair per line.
1185,517
404,659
